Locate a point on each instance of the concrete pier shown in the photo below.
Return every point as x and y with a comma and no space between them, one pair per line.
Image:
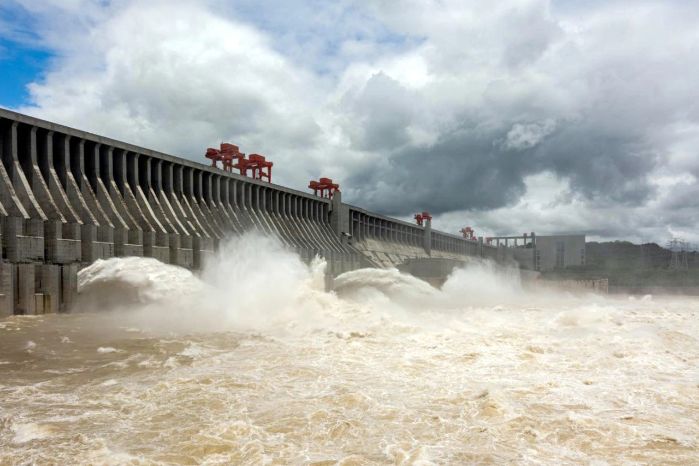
68,198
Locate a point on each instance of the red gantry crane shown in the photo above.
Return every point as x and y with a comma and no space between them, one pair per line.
231,157
229,153
324,186
422,217
214,155
469,234
261,168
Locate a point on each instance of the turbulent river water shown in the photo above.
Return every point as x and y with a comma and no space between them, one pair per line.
253,363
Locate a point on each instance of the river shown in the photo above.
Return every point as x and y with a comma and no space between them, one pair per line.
253,363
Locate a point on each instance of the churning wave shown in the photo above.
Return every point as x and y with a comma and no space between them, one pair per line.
253,362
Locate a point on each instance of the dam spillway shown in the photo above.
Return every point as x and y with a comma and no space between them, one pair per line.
69,197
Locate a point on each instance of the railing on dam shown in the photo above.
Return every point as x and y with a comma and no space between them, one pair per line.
390,241
364,224
69,197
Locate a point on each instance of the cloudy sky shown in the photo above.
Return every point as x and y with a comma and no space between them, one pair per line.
510,116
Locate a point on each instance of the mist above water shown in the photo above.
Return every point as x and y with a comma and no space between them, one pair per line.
252,283
253,362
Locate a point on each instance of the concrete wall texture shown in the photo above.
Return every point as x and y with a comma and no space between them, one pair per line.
559,251
68,198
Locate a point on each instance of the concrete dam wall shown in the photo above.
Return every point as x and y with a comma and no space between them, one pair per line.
68,198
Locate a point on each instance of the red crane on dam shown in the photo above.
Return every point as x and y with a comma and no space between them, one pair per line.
229,154
324,186
469,234
422,217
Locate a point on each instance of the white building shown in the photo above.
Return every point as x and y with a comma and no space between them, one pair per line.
559,251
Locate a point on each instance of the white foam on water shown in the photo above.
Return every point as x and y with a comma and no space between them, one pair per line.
30,431
135,279
385,370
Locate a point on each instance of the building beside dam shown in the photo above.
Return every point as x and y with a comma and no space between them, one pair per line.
68,198
559,252
543,253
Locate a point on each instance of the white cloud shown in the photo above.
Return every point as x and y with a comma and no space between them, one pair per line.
179,78
456,106
527,135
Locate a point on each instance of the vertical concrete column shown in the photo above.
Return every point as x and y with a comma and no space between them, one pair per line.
427,241
88,231
177,187
144,174
243,195
166,213
79,171
223,200
49,285
69,286
219,205
69,169
203,244
37,183
133,197
132,170
260,206
207,186
92,165
247,203
120,171
26,283
240,197
105,232
182,187
7,289
199,203
8,196
132,239
151,207
28,164
110,201
197,185
12,228
278,219
289,220
156,175
172,192
16,176
339,215
208,206
106,165
234,194
53,167
33,222
155,241
225,191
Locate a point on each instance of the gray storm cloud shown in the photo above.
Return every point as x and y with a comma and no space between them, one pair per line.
501,114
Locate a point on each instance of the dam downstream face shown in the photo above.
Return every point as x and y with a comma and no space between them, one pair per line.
223,370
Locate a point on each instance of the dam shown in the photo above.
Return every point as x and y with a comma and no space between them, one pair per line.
69,197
